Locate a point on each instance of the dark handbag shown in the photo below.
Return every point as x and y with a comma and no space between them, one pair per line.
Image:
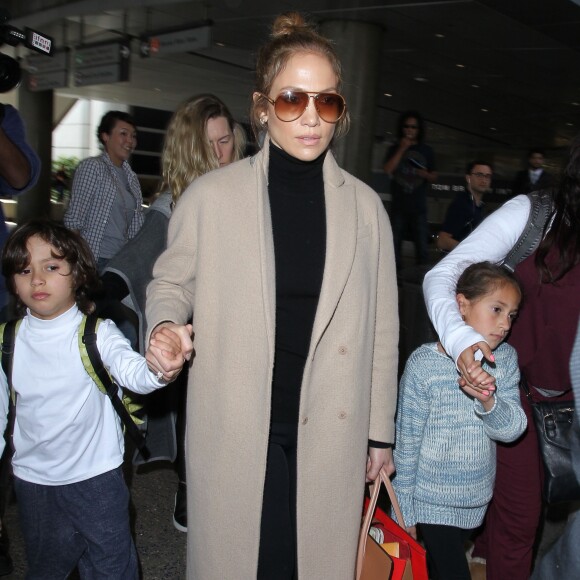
553,421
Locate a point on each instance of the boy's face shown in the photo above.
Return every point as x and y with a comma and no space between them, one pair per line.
45,286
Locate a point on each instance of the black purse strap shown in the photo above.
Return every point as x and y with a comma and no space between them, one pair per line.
89,339
526,389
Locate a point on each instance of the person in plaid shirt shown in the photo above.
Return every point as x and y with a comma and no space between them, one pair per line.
106,200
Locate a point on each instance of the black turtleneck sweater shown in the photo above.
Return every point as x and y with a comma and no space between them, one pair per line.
296,193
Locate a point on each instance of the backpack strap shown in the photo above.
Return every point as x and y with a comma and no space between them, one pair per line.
540,211
94,366
8,332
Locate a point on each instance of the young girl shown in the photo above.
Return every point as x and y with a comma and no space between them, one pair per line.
68,439
445,435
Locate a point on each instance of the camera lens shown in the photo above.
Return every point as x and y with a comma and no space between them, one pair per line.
10,73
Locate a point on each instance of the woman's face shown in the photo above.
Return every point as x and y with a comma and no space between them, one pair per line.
309,136
411,129
120,142
220,139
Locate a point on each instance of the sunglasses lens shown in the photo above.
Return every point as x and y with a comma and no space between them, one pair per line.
330,107
291,104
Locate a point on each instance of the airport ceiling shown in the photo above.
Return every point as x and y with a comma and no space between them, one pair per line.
503,72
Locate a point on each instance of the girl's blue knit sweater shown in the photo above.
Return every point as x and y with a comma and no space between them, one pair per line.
445,443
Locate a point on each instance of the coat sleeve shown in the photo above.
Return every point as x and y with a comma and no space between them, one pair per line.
385,356
170,293
491,241
13,127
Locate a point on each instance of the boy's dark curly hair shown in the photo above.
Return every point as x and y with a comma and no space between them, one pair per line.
68,245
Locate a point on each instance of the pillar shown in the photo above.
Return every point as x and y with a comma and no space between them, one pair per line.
359,47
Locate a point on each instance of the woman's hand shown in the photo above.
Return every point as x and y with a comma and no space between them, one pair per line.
170,345
379,457
412,531
472,373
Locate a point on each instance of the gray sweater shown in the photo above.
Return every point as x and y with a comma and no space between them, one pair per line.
445,448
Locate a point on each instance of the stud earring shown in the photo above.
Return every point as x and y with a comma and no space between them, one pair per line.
263,120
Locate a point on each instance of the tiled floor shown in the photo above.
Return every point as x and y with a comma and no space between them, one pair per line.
160,546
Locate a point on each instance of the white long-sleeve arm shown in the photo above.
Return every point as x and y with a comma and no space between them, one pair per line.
491,242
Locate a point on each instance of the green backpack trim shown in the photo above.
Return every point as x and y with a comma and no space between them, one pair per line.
126,408
132,407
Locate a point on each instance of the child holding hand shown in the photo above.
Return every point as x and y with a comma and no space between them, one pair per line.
68,439
445,435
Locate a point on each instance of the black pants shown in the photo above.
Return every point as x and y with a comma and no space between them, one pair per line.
445,547
277,560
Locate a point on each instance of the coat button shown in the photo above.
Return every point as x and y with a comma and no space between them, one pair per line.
342,415
342,350
305,420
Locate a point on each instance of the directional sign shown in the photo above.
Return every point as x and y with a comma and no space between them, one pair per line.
174,41
47,73
102,63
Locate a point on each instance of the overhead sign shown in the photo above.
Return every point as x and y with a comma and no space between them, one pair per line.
102,63
196,37
48,73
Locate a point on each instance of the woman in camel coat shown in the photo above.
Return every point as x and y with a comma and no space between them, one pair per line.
223,268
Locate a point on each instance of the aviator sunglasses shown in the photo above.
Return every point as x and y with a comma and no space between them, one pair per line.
290,105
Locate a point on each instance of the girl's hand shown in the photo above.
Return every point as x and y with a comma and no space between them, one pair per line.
486,400
472,373
412,531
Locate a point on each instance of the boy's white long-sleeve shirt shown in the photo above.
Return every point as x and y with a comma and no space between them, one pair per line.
66,430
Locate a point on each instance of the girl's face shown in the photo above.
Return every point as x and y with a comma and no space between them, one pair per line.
120,142
45,286
309,136
220,139
492,315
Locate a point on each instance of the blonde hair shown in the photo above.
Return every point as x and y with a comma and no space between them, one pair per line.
187,153
291,35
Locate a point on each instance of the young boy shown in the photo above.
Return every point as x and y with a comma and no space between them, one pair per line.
68,439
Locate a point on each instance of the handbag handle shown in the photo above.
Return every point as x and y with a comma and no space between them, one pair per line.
383,478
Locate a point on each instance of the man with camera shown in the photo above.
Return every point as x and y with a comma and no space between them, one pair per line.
19,170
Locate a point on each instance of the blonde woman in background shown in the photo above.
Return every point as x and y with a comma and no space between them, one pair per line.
201,136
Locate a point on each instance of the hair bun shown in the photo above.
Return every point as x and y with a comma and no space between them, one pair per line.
289,23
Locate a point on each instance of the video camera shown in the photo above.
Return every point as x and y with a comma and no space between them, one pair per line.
10,73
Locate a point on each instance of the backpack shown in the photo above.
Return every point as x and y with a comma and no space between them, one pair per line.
126,408
540,210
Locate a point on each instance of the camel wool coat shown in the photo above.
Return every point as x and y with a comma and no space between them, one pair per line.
219,268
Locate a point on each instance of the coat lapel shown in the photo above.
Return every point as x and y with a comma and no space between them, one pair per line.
267,259
341,233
